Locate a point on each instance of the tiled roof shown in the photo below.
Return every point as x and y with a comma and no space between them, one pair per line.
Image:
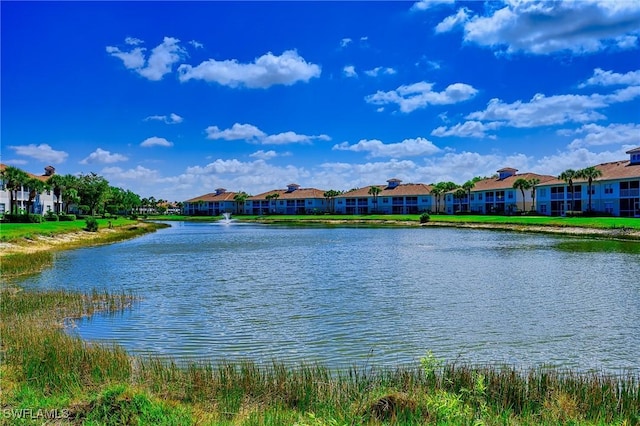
213,196
403,189
491,184
633,151
298,194
610,171
31,175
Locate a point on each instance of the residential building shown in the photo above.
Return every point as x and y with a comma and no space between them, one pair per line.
495,195
212,204
293,200
615,192
42,202
393,198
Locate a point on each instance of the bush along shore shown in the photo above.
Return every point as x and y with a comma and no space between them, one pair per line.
51,376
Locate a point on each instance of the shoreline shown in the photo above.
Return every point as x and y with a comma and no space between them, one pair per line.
75,239
78,239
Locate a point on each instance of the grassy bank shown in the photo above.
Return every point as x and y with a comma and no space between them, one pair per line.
47,372
30,247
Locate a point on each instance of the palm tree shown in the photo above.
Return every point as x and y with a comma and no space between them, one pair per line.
240,198
459,195
13,179
522,184
273,197
374,190
330,195
437,191
35,187
591,174
468,186
568,176
532,183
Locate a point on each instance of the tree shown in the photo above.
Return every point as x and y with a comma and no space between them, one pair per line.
240,198
568,176
13,179
375,191
35,186
437,191
459,195
522,184
442,188
591,174
532,183
468,186
273,197
330,195
93,190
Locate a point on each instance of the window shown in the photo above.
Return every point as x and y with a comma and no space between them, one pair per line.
510,195
608,188
473,197
542,192
543,208
385,200
480,197
309,202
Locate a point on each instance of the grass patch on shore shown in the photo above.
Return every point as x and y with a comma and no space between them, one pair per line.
44,368
18,263
14,231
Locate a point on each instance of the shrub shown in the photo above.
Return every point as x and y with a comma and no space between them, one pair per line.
67,217
23,218
92,224
424,217
51,217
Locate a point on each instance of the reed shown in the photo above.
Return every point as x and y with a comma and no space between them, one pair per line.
42,365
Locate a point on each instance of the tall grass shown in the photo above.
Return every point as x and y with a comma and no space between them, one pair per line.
108,386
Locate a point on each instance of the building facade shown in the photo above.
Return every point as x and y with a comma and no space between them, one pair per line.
41,203
393,198
616,191
212,204
293,200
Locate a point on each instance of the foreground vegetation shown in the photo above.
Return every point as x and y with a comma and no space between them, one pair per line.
47,372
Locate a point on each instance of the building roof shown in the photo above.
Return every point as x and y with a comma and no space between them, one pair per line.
610,171
633,151
43,178
494,183
214,196
403,189
299,193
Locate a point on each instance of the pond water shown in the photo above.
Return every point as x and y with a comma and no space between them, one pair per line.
347,296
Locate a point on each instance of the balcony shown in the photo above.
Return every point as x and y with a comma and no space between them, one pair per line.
630,193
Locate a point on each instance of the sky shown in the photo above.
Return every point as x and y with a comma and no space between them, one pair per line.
176,99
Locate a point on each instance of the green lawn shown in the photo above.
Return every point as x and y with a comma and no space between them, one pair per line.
13,231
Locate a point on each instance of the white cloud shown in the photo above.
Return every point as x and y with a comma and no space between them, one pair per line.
155,141
380,70
345,42
264,155
42,152
252,134
575,159
609,78
157,65
419,95
428,4
453,21
472,129
102,156
137,174
544,110
542,27
406,148
266,71
613,134
196,44
133,41
350,71
236,132
173,118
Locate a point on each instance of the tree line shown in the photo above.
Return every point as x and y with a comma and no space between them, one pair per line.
89,193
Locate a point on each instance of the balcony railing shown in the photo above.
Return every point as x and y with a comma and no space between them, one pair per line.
630,192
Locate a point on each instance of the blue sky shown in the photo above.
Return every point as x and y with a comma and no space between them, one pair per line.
175,99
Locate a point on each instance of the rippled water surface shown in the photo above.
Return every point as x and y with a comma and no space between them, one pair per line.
346,296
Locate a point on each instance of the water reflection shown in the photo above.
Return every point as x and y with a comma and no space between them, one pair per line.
343,296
